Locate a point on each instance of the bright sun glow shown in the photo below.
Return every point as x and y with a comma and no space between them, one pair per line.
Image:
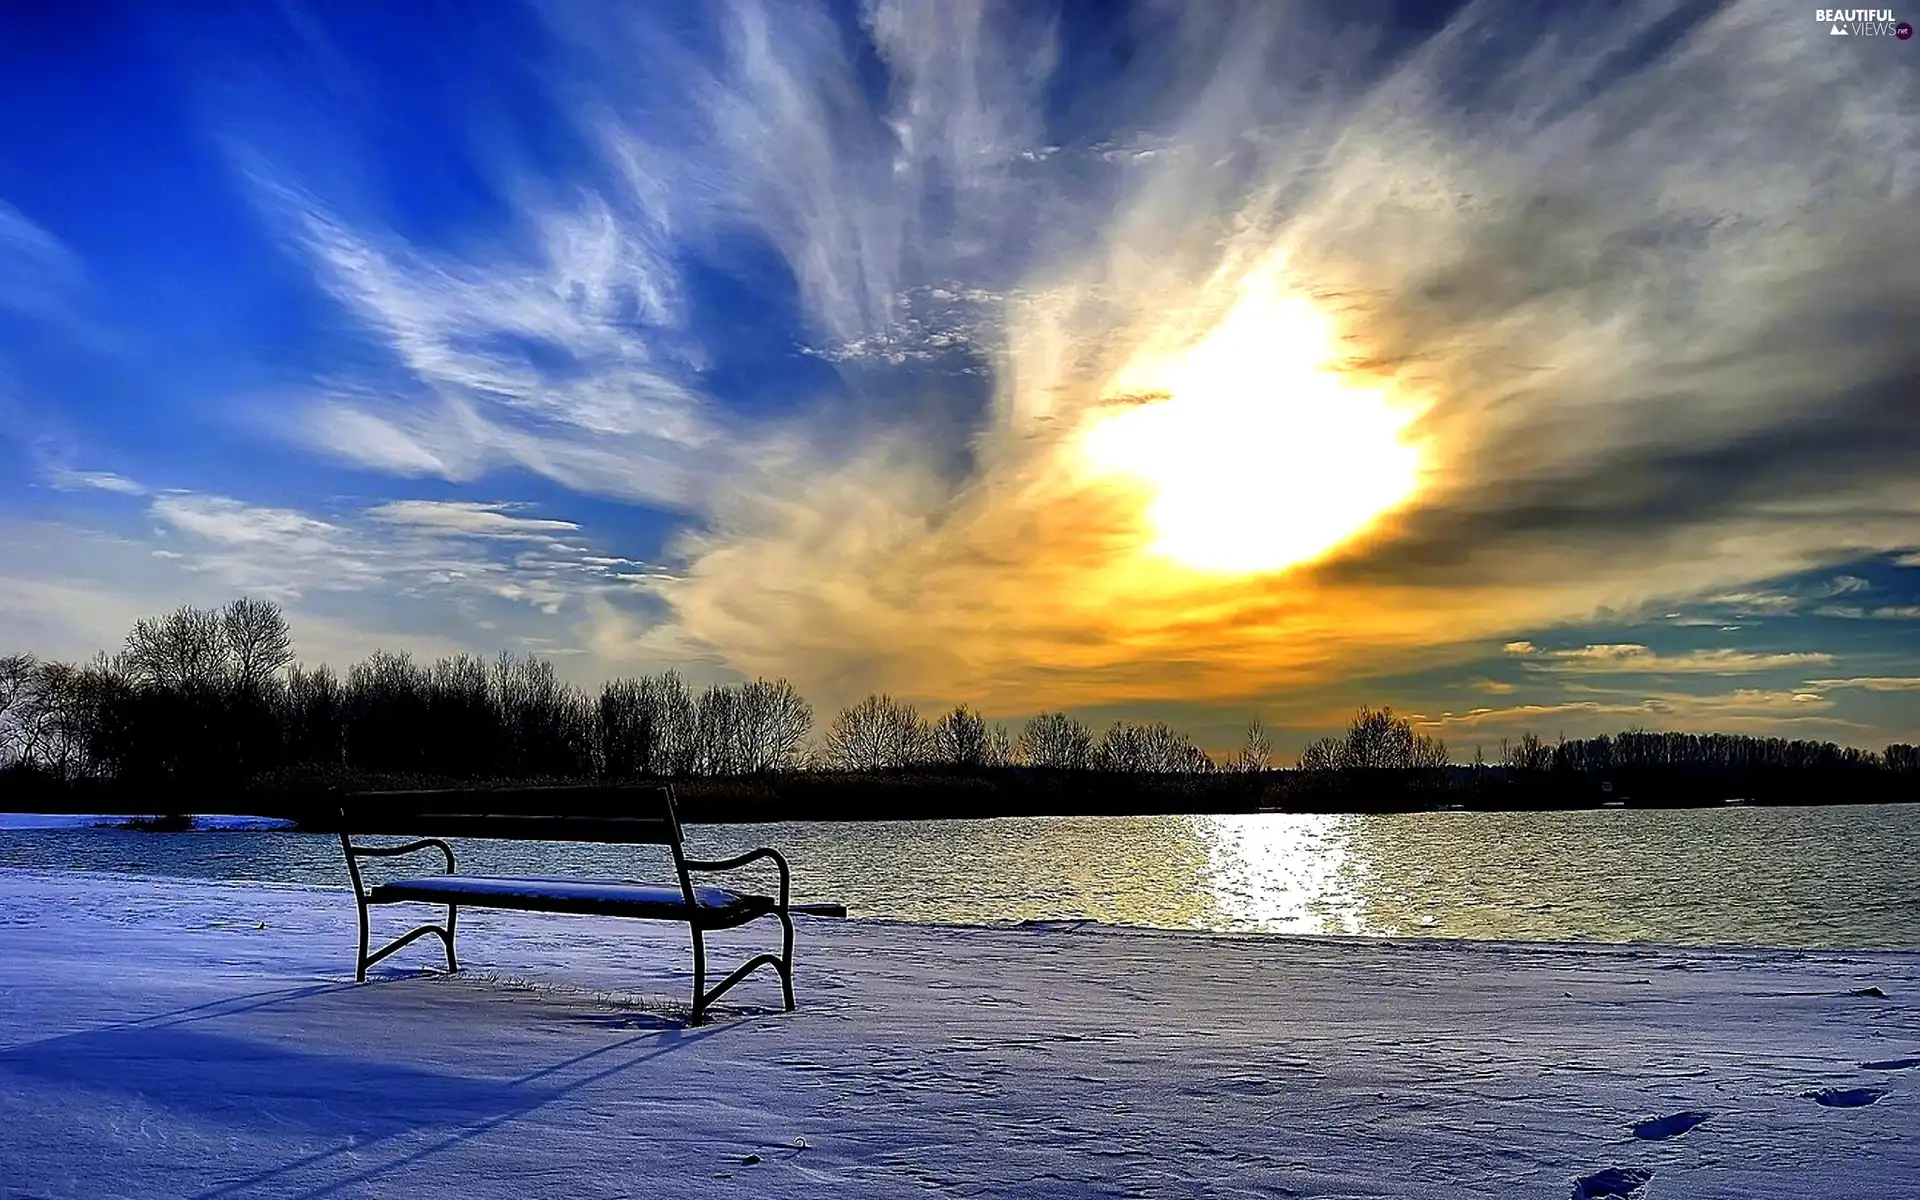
1260,455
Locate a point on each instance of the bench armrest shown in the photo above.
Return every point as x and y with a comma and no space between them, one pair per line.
404,848
728,864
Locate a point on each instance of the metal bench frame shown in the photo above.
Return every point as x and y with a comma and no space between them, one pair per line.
546,814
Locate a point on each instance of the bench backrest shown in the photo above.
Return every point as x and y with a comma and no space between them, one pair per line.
624,813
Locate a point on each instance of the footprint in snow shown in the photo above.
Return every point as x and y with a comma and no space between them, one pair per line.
1614,1183
1845,1097
1659,1129
1890,1064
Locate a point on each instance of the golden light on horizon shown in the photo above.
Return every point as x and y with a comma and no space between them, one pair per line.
1258,453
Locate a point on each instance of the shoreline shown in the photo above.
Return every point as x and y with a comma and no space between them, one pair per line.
1020,792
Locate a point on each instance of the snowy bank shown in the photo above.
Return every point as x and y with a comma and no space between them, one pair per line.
168,1038
210,821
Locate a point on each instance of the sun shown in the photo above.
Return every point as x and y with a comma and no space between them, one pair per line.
1256,452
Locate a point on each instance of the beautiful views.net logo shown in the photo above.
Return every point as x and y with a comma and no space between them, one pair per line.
1862,22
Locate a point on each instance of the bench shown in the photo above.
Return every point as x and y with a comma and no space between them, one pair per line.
625,815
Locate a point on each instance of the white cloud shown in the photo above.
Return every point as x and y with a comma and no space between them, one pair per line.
1614,307
350,582
455,553
1870,683
372,440
1631,658
469,518
1758,603
560,347
38,274
275,552
1734,711
1857,612
67,479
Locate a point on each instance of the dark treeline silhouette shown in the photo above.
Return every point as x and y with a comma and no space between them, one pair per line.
205,706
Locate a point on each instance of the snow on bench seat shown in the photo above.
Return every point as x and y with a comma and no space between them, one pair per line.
621,814
609,897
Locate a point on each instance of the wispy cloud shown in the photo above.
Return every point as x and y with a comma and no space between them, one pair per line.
560,349
276,552
1653,358
68,479
1758,603
448,552
470,518
1871,683
1641,374
38,274
1858,612
1741,709
1627,658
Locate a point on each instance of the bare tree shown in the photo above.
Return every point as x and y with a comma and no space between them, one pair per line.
774,723
1528,754
547,723
1256,753
629,728
961,739
187,647
716,718
1428,753
19,690
1057,740
1376,739
384,708
63,719
999,746
1153,749
465,732
314,729
678,746
1322,754
257,641
878,733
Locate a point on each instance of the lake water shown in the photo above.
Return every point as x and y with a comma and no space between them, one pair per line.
1841,877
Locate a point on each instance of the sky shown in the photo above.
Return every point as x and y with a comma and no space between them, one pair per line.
1524,368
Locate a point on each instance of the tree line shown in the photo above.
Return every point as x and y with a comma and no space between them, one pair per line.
211,697
201,696
1641,751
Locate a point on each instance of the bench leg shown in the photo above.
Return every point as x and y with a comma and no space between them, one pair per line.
453,913
786,958
699,975
782,965
360,963
443,932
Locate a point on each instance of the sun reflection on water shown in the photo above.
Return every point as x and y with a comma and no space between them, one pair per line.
1284,874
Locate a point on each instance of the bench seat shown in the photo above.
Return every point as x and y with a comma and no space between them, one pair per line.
714,907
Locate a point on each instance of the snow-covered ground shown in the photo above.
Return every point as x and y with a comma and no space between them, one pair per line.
170,1038
55,821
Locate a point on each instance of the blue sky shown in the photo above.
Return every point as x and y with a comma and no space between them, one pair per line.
758,338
